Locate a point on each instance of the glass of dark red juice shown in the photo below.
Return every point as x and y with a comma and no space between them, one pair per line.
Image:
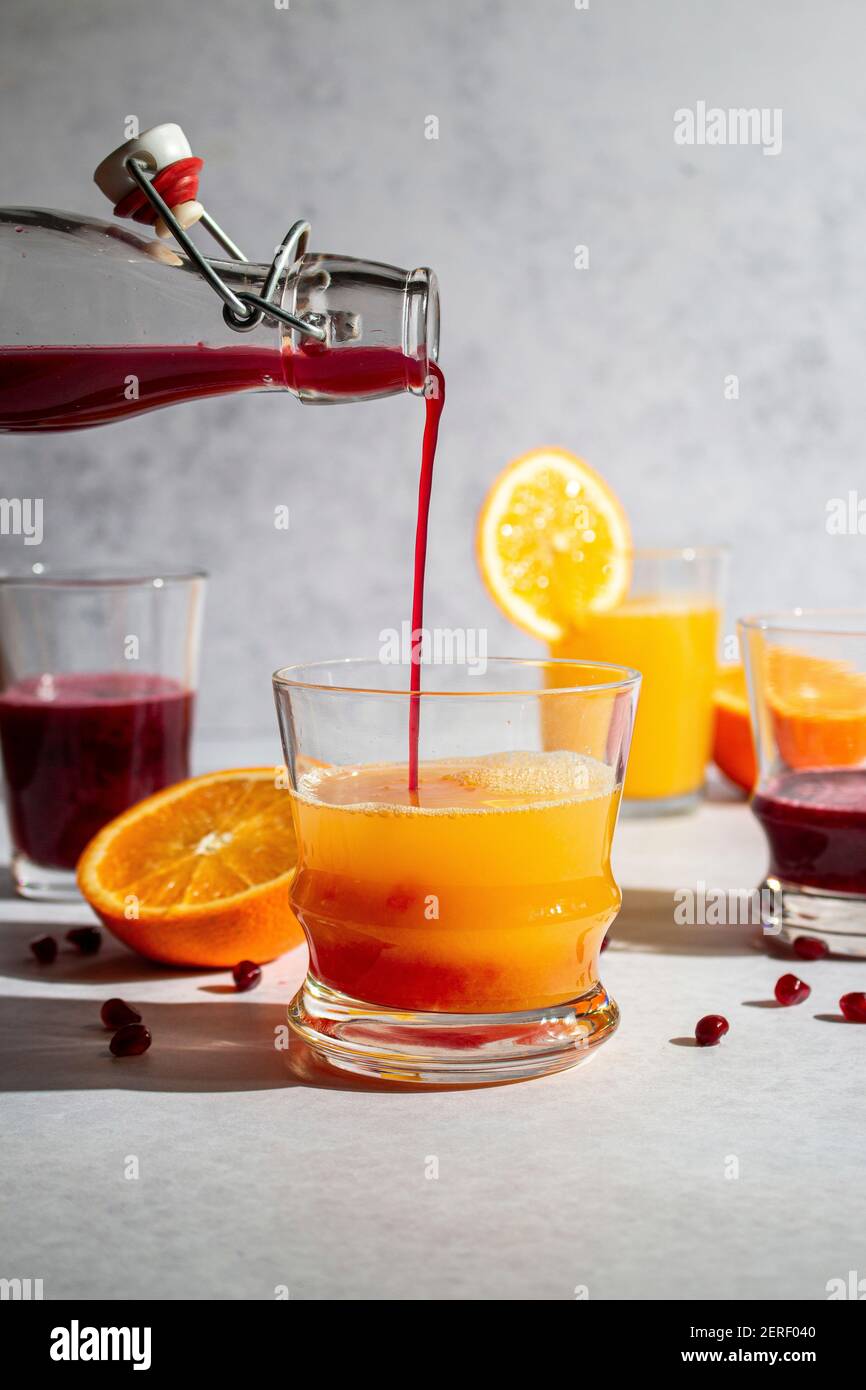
97,686
807,686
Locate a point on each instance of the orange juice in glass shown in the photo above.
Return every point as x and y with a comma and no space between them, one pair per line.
667,627
455,931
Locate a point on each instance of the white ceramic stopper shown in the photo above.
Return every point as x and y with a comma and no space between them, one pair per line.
156,148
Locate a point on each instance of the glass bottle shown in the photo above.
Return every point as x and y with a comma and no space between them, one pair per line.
99,323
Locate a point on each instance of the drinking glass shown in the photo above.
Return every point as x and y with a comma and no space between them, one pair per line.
668,628
455,930
97,680
807,687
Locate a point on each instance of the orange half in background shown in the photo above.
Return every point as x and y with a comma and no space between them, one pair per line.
198,874
552,542
817,707
733,745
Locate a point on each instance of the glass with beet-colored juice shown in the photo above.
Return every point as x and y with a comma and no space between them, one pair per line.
807,678
97,686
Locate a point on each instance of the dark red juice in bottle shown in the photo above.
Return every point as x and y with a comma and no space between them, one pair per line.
67,388
77,386
815,824
80,748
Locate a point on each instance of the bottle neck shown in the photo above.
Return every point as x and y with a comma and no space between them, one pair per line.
380,328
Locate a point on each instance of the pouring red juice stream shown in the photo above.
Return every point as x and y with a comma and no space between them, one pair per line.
54,388
435,403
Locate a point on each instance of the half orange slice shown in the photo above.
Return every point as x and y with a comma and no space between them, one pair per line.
552,543
199,874
818,708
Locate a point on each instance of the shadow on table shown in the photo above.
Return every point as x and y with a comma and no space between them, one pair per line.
54,1044
646,923
226,1042
112,965
107,967
60,1045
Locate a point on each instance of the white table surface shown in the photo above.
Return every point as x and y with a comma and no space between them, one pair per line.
257,1171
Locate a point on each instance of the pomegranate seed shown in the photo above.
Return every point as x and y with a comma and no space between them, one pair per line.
790,989
246,975
604,945
710,1030
130,1041
116,1013
811,948
853,1007
44,949
87,939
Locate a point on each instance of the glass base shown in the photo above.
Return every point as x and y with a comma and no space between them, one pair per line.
42,883
438,1049
634,809
837,918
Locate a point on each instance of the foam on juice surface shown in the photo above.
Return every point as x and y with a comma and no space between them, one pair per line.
499,781
559,773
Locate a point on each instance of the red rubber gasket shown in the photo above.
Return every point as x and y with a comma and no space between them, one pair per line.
176,183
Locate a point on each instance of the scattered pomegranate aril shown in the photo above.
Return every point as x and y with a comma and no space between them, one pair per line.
130,1041
44,949
790,989
246,975
116,1013
811,948
604,945
853,1007
710,1030
87,939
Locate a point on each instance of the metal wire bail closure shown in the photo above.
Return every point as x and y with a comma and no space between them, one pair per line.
242,311
293,245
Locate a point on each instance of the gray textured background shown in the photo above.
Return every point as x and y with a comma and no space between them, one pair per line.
556,128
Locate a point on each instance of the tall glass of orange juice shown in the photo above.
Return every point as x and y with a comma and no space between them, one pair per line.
668,627
455,929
